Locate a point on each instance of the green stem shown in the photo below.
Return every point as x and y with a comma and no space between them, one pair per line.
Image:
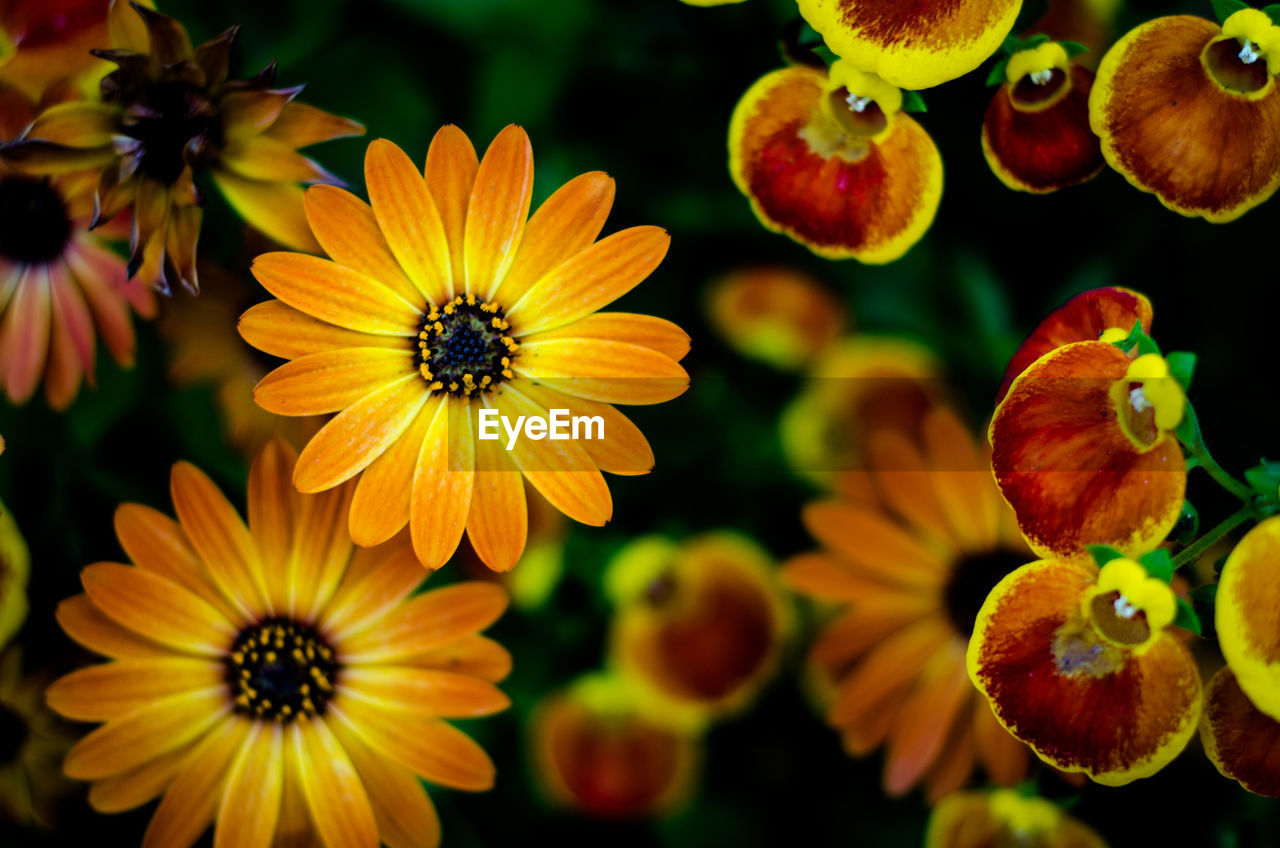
1193,439
1199,546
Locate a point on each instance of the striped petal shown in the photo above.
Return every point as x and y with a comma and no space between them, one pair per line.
251,803
275,208
273,508
90,627
432,692
321,551
643,330
498,521
189,804
149,732
136,787
381,505
443,481
338,802
149,604
111,690
347,229
873,544
409,220
276,328
24,343
427,622
612,372
624,450
589,280
451,175
377,582
336,294
497,210
332,380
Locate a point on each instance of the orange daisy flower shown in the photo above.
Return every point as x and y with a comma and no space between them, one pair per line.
441,302
831,160
775,315
33,742
913,45
1081,664
1083,449
1190,111
698,627
168,111
596,752
272,678
1036,134
60,285
1004,817
909,569
1240,739
1106,314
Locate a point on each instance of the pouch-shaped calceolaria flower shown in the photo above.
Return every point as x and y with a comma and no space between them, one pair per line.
1083,666
1036,134
913,45
832,160
1190,111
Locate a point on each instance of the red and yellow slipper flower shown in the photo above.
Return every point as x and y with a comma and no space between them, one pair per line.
273,679
1106,314
595,752
206,350
698,626
1241,740
1245,615
33,742
857,386
1082,665
1036,134
832,161
167,111
1005,818
907,572
913,45
1083,449
15,566
439,302
60,286
775,315
1190,111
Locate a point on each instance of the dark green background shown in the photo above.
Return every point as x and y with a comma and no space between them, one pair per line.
643,89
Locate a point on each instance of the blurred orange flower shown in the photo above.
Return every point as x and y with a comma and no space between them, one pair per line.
271,677
909,568
775,315
698,627
1005,818
440,302
50,41
595,751
33,742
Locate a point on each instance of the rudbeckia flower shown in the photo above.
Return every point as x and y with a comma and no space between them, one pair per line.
1004,817
440,302
167,111
698,626
60,285
832,161
907,573
1189,111
272,679
857,386
1106,314
775,315
1036,134
207,350
1245,615
1081,664
913,45
1084,450
596,752
33,742
15,566
1241,740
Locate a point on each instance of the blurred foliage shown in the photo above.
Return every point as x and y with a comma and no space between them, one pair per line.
643,89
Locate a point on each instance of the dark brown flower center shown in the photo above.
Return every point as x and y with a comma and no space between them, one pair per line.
1028,93
279,669
1222,60
465,347
173,124
34,226
13,734
972,578
1118,620
860,117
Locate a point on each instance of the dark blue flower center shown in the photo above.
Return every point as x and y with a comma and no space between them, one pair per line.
279,669
465,347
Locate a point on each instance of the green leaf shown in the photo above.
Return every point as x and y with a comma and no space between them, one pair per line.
1138,338
1187,527
913,102
1103,554
1035,41
1012,44
1159,564
1204,595
1226,8
1182,365
1264,478
1073,48
997,75
1273,12
1188,429
1187,618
